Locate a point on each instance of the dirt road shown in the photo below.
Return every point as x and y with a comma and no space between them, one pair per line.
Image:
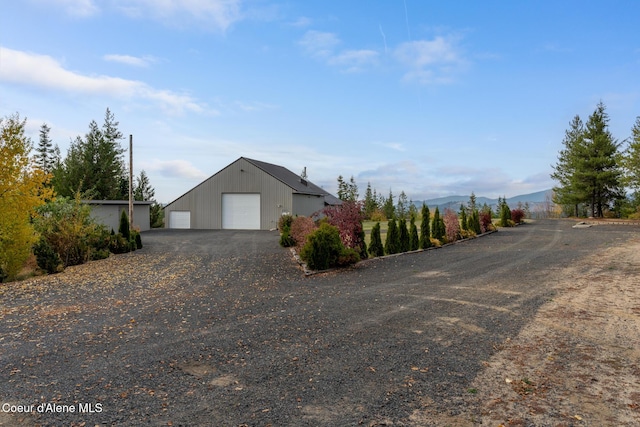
536,325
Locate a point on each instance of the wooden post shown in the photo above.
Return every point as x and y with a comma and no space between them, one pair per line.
131,182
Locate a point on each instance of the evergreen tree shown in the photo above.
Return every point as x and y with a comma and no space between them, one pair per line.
588,170
472,202
413,211
631,160
414,241
370,203
425,233
403,235
124,226
44,152
463,218
375,246
388,208
437,226
142,190
392,242
474,221
402,207
505,215
94,165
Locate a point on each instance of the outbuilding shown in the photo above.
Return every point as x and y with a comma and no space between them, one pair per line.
246,195
108,212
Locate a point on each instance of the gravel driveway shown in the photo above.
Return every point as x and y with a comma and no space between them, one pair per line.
222,328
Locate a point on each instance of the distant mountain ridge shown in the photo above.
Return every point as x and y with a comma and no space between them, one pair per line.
455,201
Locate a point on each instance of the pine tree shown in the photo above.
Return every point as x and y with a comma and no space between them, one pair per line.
45,152
388,208
631,161
425,234
375,246
370,203
588,170
403,206
94,165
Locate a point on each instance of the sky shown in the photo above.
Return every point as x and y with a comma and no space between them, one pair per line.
433,98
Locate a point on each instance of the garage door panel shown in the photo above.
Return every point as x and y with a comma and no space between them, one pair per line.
241,211
180,219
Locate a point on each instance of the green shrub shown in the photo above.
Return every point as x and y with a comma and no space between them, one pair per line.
285,221
403,235
348,257
375,246
48,260
119,245
392,243
414,241
138,240
124,226
323,248
505,216
425,232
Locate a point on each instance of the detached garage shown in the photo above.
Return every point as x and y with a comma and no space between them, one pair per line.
246,195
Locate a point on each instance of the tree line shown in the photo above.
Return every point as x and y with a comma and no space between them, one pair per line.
596,176
41,196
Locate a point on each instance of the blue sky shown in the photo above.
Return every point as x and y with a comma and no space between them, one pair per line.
432,98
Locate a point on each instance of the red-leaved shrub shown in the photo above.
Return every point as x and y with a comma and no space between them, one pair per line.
517,215
301,227
348,218
485,221
451,225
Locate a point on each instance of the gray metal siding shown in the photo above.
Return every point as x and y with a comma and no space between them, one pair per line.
306,205
109,215
205,200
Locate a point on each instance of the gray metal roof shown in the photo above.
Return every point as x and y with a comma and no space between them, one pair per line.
289,178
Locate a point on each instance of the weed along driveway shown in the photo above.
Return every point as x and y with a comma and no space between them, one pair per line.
222,328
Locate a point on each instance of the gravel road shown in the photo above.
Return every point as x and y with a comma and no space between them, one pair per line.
179,333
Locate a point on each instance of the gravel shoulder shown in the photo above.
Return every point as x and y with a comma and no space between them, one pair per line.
187,335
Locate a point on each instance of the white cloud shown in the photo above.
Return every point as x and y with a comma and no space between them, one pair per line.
354,60
322,46
430,61
173,169
44,71
301,22
79,8
319,44
213,14
135,61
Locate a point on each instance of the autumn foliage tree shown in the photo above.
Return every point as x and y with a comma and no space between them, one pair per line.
348,217
22,190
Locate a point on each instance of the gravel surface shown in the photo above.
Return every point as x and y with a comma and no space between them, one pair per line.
220,328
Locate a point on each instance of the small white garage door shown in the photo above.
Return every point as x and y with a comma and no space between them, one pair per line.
241,211
179,219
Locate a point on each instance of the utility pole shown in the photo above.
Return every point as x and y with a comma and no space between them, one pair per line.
131,182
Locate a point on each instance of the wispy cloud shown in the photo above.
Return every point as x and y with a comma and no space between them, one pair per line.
44,71
430,61
135,61
323,46
319,44
78,8
301,22
173,169
210,14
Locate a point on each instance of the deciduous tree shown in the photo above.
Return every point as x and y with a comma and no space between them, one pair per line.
22,189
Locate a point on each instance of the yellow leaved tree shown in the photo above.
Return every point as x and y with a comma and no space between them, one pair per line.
23,187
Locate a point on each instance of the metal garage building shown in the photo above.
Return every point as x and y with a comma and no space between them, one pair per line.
108,212
246,195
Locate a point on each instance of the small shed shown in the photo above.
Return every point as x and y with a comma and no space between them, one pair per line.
108,212
246,195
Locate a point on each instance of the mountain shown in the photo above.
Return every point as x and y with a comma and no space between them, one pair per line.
453,202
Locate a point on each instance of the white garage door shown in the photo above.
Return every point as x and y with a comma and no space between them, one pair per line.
241,211
179,219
